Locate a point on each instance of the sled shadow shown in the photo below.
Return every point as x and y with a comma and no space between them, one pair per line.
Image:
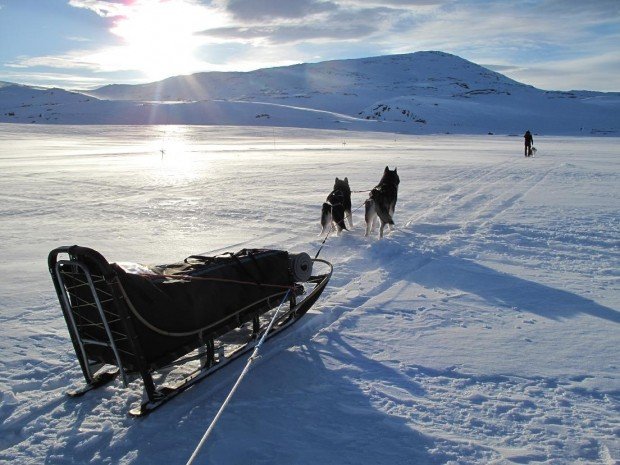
307,405
310,405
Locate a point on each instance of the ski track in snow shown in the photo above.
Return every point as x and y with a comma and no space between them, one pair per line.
481,330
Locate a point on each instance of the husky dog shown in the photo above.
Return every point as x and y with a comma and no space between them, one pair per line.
382,201
337,207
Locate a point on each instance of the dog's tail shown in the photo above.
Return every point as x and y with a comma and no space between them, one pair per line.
338,216
385,217
326,217
369,205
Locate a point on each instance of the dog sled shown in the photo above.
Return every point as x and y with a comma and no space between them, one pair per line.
174,325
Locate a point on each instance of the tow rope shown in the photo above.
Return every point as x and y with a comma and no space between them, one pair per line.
246,369
251,360
323,243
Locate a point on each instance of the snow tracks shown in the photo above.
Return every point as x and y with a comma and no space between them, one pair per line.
477,364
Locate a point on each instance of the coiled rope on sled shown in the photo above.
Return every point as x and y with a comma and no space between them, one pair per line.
246,369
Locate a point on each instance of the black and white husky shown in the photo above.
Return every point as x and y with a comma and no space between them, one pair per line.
382,202
337,207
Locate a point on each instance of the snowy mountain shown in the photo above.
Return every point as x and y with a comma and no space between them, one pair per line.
19,103
423,92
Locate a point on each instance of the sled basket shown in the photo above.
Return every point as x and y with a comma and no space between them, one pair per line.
198,314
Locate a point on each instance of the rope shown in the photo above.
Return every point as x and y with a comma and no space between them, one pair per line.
363,203
323,243
253,357
212,278
165,332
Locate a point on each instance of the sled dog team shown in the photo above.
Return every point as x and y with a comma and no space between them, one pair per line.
380,204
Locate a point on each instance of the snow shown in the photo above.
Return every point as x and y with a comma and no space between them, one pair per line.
482,330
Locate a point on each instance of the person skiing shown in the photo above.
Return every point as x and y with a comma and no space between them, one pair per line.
529,140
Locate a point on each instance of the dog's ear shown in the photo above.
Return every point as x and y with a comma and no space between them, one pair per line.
346,180
395,170
336,179
387,168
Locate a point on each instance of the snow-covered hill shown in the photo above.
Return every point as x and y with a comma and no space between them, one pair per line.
423,92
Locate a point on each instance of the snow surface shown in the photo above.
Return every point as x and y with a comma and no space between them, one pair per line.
483,330
416,93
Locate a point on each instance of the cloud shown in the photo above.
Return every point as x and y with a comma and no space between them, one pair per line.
599,72
292,34
597,8
78,39
66,61
355,25
395,4
259,10
64,80
105,9
487,32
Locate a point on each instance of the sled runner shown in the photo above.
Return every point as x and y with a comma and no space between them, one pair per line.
173,325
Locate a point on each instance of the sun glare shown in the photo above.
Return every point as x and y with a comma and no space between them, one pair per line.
171,158
160,37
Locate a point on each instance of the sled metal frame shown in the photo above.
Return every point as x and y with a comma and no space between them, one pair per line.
100,289
90,368
89,272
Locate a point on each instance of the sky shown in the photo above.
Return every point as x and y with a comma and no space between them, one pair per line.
84,44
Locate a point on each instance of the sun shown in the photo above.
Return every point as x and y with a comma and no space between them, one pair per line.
160,37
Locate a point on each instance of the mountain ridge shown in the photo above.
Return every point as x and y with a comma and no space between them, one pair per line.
405,69
420,92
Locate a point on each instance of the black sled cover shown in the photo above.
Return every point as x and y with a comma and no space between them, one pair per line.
169,315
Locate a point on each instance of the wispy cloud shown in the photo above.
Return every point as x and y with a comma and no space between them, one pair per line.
292,33
103,8
79,39
273,10
52,61
65,80
575,74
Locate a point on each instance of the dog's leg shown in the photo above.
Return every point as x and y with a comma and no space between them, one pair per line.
326,218
381,229
375,221
349,216
338,217
370,215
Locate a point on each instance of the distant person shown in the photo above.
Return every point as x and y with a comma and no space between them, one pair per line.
529,140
